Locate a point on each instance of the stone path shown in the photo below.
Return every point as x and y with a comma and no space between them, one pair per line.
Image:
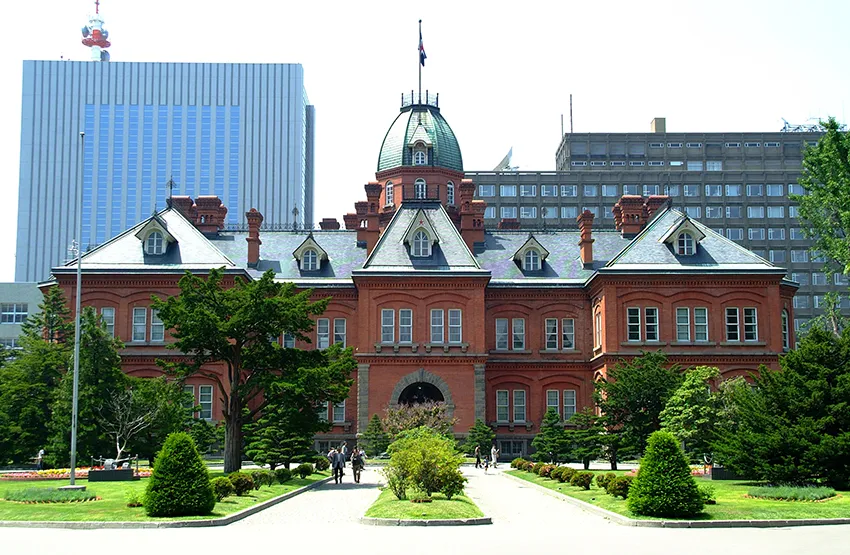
524,520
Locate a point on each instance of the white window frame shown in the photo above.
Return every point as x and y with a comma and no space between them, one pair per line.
700,324
569,397
553,400
507,190
420,189
107,315
518,334
502,334
310,260
389,193
288,340
786,337
339,412
140,324
751,324
421,247
569,190
323,333
508,212
568,334
597,322
651,323
503,407
486,190
157,328
527,211
155,243
633,324
685,244
531,260
455,326
14,313
683,324
519,413
733,332
450,193
419,157
205,391
387,326
340,331
437,326
528,190
405,325
550,331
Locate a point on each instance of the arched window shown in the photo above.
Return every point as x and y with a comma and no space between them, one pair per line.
532,260
450,193
155,244
420,189
786,339
420,158
388,193
310,261
421,244
686,244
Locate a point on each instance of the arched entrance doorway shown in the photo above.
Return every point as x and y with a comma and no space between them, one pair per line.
420,392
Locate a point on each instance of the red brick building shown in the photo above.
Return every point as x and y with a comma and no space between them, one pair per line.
498,323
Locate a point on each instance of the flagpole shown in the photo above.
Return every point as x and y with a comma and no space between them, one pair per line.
419,60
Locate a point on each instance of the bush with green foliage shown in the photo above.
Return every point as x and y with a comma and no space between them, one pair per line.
516,461
568,472
792,493
602,480
48,495
424,460
180,482
242,483
222,487
619,486
526,466
538,466
262,478
135,498
283,475
556,472
452,484
709,496
582,479
546,470
304,470
397,480
322,463
664,485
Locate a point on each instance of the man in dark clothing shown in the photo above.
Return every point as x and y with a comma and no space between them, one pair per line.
337,464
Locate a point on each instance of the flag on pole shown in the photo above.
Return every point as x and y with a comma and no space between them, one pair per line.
422,55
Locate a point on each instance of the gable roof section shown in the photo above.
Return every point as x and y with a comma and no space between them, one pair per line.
648,252
310,243
531,243
421,221
191,250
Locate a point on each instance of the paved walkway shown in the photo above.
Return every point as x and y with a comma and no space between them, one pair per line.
524,519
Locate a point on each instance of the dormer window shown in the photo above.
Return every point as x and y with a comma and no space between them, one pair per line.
531,262
450,193
685,244
310,261
419,158
310,255
421,245
420,189
154,243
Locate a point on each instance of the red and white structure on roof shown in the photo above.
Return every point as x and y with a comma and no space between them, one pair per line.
95,36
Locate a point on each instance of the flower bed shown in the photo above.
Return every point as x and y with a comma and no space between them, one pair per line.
62,474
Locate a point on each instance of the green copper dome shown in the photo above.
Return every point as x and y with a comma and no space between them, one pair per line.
420,122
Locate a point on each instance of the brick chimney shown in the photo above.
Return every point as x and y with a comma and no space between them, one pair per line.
210,214
186,206
352,220
255,219
329,223
654,203
471,215
630,215
367,230
585,223
508,223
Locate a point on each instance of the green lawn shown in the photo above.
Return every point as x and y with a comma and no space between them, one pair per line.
113,505
731,501
387,506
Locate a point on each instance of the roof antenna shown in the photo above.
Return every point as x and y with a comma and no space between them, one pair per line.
170,187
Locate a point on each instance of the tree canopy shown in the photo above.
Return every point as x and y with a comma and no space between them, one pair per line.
408,417
550,443
693,411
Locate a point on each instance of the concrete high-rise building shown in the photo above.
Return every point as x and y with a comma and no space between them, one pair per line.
242,132
736,183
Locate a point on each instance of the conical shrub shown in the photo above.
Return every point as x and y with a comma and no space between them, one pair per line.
180,483
664,485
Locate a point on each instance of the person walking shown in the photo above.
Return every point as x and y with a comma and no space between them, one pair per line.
356,464
338,464
477,456
494,455
39,460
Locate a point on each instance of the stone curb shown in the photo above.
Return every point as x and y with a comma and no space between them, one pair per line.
205,523
626,521
444,522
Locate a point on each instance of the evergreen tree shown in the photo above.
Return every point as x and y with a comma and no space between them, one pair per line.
171,409
375,440
586,438
480,435
693,411
100,377
180,483
550,443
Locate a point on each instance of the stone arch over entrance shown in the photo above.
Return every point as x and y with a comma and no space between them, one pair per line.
423,376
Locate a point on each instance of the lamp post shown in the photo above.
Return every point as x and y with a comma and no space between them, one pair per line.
77,321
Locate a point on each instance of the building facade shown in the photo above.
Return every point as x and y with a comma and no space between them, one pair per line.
17,302
738,184
242,132
500,324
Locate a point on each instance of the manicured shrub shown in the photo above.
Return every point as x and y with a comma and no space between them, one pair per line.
555,473
222,487
452,483
283,475
537,467
664,485
792,493
135,498
619,486
258,477
180,483
516,461
602,480
546,470
568,472
582,479
242,483
322,463
304,470
526,466
708,495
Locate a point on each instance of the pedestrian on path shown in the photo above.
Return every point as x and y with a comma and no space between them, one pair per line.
494,455
477,456
39,460
338,464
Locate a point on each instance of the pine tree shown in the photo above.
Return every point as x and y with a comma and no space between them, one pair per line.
480,435
693,411
551,442
587,437
375,439
180,483
282,433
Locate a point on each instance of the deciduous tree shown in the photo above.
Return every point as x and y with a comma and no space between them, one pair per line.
407,417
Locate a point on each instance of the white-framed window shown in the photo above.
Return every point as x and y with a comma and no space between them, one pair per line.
590,190
502,405
676,163
636,163
671,190
450,193
733,145
437,325
685,244
549,212
339,412
490,212
633,323
733,190
693,211
735,233
387,325
755,234
155,243
389,192
322,411
107,314
527,211
713,190
674,145
802,278
508,212
799,255
694,145
405,325
13,313
775,190
569,403
650,190
700,323
651,321
205,398
486,190
775,211
502,335
597,324
421,245
519,405
157,328
691,190
713,212
339,331
734,212
751,324
140,323
190,389
597,163
796,189
551,332
732,332
801,301
713,166
613,190
656,145
683,324
420,189
694,166
569,212
752,145
310,260
796,234
419,158
771,144
569,190
793,211
840,279
528,190
578,164
323,333
507,190
455,325
618,163
786,340
776,255
755,211
531,260
518,334
553,401
548,190
656,162
568,333
755,190
288,340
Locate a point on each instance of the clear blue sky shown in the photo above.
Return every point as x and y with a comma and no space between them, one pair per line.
504,71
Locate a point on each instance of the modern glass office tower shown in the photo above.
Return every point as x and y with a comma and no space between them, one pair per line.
243,132
737,183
